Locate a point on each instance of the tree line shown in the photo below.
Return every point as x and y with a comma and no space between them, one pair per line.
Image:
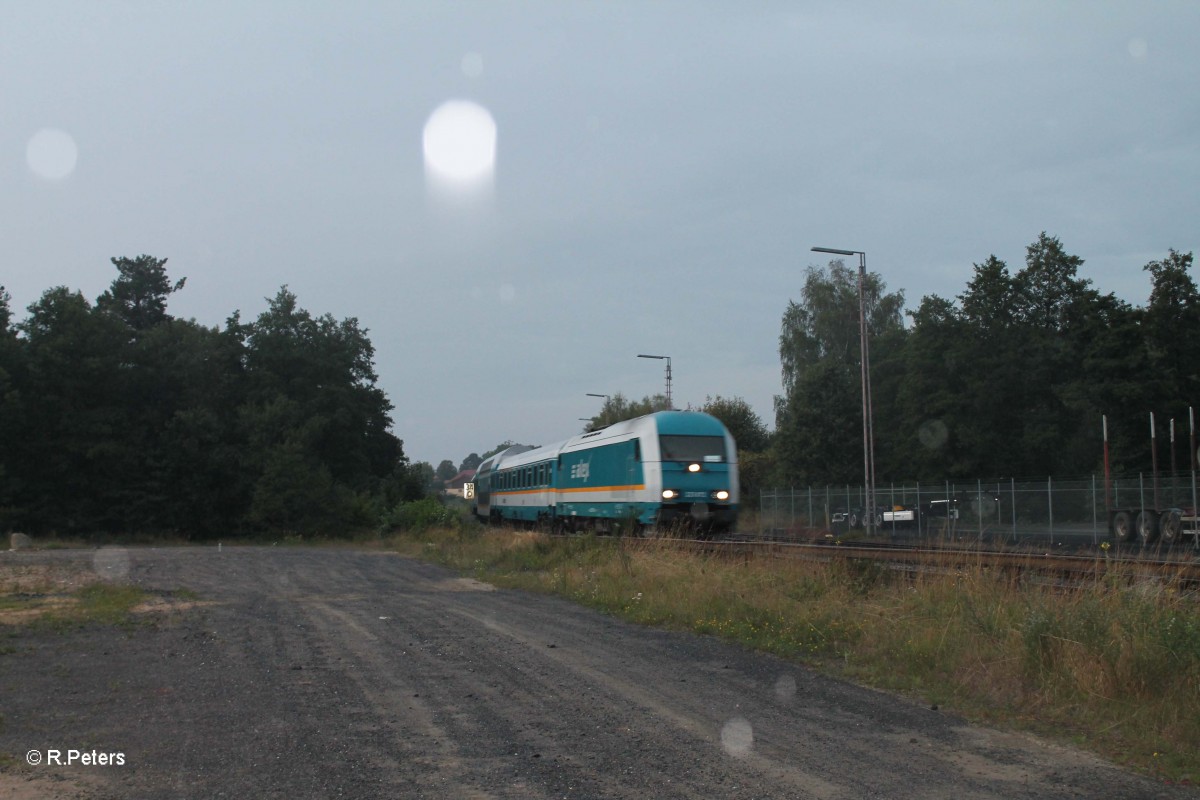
117,417
1009,379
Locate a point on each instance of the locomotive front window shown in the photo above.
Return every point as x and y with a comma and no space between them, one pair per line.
693,448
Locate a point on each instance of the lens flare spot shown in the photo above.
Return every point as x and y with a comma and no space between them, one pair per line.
51,154
737,736
460,142
933,434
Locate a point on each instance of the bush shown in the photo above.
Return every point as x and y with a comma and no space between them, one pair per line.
419,515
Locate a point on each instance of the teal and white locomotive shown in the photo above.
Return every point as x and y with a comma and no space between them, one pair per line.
667,469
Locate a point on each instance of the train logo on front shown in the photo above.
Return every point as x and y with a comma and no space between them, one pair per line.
582,470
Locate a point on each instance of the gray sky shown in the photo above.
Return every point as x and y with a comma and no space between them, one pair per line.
661,171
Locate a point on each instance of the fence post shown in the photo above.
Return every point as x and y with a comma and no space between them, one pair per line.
920,514
1095,519
950,525
827,499
999,509
1013,496
1141,495
1050,509
979,506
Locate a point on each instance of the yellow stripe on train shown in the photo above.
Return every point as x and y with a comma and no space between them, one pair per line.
631,487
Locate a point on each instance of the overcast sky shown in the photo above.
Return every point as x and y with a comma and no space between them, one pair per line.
661,171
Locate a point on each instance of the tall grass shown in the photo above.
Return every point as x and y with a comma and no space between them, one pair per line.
1113,665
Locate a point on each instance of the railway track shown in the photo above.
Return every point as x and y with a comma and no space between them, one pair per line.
1179,567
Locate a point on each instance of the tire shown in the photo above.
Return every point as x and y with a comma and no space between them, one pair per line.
1147,526
1170,526
1122,526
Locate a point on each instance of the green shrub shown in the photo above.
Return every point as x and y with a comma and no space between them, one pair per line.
420,515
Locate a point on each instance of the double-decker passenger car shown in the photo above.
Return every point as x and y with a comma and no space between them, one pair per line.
654,472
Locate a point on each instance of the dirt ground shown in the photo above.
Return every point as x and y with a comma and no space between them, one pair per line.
298,673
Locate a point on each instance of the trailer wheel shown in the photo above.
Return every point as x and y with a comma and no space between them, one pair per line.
1147,526
1170,525
1122,526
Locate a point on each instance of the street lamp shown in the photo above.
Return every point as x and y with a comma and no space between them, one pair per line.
867,415
601,414
668,359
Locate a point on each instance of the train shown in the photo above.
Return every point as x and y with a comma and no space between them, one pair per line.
652,474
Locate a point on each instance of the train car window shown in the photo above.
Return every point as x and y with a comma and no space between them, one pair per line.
692,448
637,450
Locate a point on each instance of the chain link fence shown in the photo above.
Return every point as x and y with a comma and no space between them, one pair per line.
1054,512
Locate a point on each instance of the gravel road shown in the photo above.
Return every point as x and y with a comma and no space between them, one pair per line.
325,673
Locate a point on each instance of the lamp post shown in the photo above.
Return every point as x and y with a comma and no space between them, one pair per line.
668,359
867,415
594,394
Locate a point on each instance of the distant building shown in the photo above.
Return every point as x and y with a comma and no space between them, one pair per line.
454,486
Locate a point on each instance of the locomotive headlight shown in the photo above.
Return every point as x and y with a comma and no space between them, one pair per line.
693,467
720,494
670,494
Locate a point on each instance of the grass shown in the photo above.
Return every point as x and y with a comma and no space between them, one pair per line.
101,603
1111,666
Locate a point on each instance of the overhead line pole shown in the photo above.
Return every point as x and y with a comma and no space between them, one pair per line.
668,360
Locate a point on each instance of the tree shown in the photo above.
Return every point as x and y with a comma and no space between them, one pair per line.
747,428
820,354
923,432
988,375
11,426
5,311
618,409
1171,322
311,407
446,470
500,448
423,473
324,369
138,296
470,462
123,418
76,465
1048,288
